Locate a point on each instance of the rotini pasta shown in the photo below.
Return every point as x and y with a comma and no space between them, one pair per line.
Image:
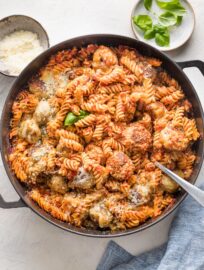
86,130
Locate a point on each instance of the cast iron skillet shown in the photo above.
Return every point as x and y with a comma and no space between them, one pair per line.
174,69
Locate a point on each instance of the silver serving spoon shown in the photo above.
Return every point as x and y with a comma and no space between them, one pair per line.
192,190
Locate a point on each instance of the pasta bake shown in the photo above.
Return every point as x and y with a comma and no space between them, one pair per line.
87,129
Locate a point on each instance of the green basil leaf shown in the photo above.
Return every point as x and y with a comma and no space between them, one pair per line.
178,10
160,28
173,6
166,4
83,114
162,39
179,20
144,22
70,119
168,18
148,4
149,33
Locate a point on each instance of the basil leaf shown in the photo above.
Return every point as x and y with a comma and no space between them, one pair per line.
179,20
162,39
173,6
83,114
168,18
158,28
70,119
166,4
149,33
148,4
144,22
178,10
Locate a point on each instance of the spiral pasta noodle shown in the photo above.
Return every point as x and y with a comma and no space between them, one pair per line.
86,131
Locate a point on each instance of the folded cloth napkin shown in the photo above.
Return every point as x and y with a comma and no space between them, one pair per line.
184,250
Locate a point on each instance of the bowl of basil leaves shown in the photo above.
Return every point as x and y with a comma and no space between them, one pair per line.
164,24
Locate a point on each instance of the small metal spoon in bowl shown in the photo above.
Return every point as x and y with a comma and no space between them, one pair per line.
192,190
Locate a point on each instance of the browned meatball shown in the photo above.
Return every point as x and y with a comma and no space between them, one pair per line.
95,153
100,214
157,109
58,184
42,112
82,180
120,166
136,138
104,57
149,71
30,131
174,139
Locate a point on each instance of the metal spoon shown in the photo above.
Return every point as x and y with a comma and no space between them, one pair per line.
192,190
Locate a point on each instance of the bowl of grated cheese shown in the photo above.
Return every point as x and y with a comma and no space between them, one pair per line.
21,40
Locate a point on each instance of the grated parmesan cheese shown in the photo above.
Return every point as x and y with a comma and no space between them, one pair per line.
17,50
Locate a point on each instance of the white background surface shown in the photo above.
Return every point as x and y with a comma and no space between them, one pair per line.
27,241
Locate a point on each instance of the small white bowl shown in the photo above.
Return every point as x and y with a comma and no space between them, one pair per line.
21,22
178,36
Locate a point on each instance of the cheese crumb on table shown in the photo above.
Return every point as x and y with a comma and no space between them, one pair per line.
17,50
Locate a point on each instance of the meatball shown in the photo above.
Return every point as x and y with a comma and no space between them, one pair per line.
173,138
37,156
38,152
157,109
149,71
136,138
95,153
42,112
82,180
58,184
170,185
30,131
104,57
139,194
100,214
120,166
35,169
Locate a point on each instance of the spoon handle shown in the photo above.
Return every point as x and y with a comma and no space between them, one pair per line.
192,190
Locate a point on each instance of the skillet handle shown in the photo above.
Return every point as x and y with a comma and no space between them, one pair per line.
192,63
8,205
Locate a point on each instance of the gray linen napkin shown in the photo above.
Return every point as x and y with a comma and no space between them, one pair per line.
184,250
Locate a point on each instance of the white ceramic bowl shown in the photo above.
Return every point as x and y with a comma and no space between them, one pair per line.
21,22
178,36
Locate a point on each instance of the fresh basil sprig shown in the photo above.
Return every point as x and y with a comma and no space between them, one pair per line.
172,16
72,118
159,32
